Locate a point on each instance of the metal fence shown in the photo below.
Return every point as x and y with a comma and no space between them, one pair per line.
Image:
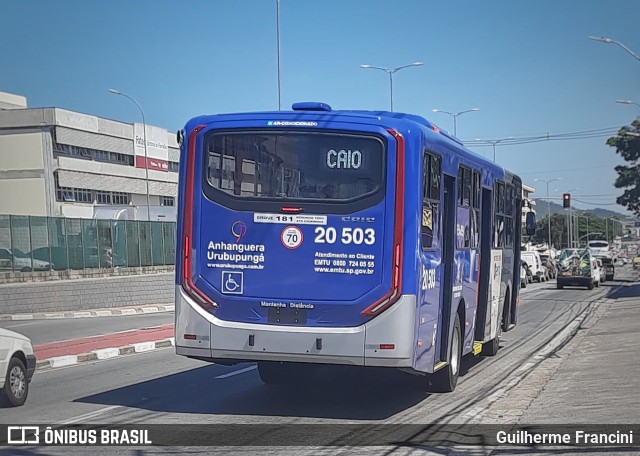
55,243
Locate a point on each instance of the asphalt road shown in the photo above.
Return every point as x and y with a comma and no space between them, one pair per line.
160,387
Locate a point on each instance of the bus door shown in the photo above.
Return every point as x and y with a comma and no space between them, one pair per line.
448,248
483,317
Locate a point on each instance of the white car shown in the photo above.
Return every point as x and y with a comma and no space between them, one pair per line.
17,365
20,261
538,270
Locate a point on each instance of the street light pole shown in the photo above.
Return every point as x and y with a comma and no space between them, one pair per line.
391,71
549,207
628,102
610,41
587,235
455,116
493,142
144,138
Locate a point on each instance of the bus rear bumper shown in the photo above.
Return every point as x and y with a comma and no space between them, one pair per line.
385,341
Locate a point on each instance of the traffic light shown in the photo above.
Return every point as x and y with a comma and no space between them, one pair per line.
566,200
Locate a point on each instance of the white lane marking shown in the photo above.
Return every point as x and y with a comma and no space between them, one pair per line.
90,415
22,324
238,372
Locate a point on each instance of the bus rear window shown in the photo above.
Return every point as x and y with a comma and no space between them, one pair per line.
303,166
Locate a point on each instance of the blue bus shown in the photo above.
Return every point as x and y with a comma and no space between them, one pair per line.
314,236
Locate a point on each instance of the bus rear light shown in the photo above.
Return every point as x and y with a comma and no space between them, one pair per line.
292,210
187,283
190,337
398,237
387,346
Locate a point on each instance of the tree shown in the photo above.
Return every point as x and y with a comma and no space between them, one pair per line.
627,144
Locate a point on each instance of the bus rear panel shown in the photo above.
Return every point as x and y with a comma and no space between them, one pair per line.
342,237
292,244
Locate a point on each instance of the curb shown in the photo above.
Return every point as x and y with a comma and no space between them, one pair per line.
103,353
89,313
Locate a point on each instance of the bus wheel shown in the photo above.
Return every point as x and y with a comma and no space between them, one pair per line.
491,348
445,380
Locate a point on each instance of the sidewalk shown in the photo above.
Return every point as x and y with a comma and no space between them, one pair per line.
85,349
74,351
114,311
599,380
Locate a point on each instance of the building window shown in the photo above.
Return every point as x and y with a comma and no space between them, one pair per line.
121,159
174,167
92,154
103,197
120,198
102,156
83,195
167,201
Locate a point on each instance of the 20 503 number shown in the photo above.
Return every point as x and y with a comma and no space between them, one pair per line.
348,236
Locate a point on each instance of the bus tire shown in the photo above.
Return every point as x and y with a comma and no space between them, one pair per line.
491,348
590,286
445,380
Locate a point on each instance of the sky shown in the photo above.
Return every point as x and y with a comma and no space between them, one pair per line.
528,67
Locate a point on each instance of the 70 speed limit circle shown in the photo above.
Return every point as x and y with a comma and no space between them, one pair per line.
292,237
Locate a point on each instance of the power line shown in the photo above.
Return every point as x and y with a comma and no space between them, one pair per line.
585,134
595,204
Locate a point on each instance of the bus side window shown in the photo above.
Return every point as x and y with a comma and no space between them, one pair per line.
475,210
498,226
430,199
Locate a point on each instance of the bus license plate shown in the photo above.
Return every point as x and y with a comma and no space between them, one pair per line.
287,316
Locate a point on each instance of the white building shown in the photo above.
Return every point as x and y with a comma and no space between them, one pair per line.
528,204
55,162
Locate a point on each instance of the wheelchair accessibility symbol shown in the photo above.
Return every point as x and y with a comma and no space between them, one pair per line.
232,282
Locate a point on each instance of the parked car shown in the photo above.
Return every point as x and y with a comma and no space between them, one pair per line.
535,264
636,262
20,261
577,267
17,365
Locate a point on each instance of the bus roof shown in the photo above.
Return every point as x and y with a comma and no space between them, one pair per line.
316,111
